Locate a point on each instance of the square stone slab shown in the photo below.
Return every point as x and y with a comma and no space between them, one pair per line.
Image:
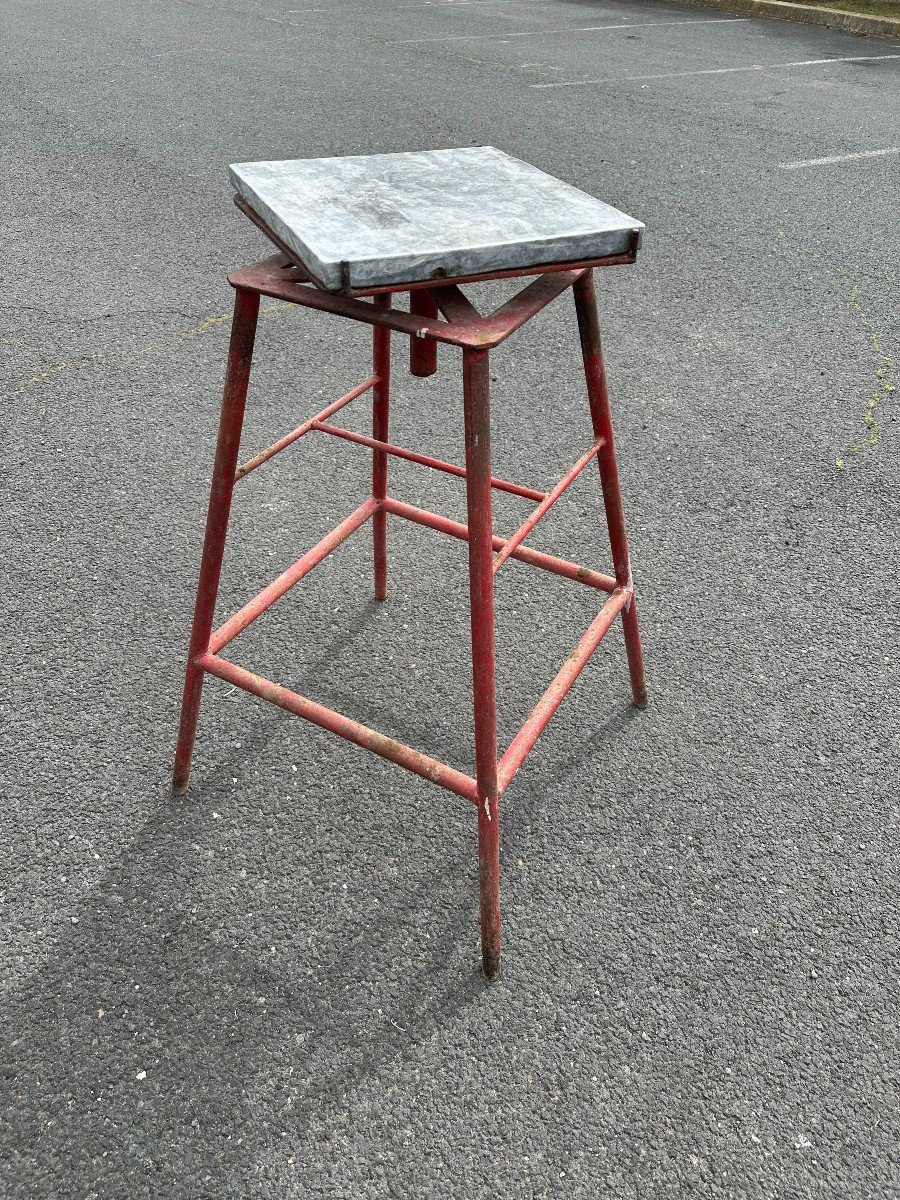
376,220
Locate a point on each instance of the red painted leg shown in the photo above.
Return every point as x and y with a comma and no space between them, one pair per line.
598,398
422,351
240,354
481,587
381,366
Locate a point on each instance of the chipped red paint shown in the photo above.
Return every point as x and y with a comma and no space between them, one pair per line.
534,558
462,326
327,718
601,419
237,379
477,421
302,430
524,740
422,350
381,361
279,278
425,460
287,579
545,505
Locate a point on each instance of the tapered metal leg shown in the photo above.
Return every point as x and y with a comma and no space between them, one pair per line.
481,587
381,366
422,351
598,398
240,354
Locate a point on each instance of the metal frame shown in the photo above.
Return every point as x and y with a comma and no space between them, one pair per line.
475,335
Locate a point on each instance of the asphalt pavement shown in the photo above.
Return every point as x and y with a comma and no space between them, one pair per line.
270,987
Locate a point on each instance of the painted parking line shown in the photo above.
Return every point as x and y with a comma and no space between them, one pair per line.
469,37
807,62
839,158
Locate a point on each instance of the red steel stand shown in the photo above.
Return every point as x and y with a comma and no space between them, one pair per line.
462,326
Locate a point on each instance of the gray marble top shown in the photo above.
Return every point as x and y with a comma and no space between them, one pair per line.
402,218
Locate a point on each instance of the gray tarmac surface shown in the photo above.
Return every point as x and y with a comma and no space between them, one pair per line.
270,987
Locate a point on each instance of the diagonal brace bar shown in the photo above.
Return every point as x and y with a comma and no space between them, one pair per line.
361,735
259,604
545,505
270,278
525,739
493,329
290,438
454,304
425,460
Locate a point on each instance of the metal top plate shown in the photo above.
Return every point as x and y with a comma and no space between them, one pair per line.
376,220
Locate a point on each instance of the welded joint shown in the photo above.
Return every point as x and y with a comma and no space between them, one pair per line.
302,430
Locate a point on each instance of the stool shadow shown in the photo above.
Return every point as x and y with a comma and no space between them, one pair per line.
316,681
220,1030
538,772
181,1001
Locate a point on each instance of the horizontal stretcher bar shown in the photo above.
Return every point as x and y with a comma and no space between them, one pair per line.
405,756
535,558
259,604
425,460
545,505
525,739
290,438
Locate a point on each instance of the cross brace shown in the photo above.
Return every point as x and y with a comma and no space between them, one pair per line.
462,326
370,739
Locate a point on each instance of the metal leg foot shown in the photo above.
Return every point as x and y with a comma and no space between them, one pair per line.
381,363
240,355
601,419
481,587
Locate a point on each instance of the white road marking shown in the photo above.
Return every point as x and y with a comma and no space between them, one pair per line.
807,62
200,50
442,3
534,5
839,158
470,37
